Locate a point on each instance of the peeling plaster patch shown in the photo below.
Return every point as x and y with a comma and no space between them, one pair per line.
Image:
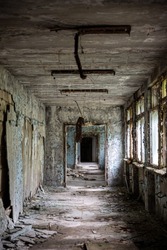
25,132
15,169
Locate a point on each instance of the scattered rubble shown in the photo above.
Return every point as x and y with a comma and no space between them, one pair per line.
75,173
78,217
23,235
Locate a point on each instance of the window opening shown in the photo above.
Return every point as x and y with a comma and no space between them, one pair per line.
154,136
163,122
140,152
154,124
129,139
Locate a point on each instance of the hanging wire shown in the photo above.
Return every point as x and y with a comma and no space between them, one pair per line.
79,108
81,47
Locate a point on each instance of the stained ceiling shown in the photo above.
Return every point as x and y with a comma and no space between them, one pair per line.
37,37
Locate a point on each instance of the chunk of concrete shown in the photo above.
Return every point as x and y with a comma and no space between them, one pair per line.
20,232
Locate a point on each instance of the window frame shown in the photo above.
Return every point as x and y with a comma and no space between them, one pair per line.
163,123
140,129
129,133
154,106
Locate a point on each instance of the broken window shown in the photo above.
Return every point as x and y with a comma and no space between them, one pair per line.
155,136
140,147
154,122
129,139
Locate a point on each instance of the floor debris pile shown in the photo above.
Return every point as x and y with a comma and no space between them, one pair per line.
74,173
24,237
85,218
24,234
92,176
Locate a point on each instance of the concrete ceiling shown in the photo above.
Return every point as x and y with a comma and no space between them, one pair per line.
30,48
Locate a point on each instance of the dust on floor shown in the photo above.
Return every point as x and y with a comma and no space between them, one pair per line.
91,218
87,217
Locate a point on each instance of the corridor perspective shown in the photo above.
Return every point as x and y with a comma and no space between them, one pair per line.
88,215
83,124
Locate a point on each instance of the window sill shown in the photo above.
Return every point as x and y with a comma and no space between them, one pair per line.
128,160
162,171
139,165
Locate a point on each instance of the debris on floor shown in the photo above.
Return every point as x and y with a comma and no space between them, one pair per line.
24,236
88,172
85,218
74,173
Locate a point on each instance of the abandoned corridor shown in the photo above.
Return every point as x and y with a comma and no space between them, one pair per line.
94,70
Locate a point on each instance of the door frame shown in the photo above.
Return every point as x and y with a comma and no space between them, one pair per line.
76,149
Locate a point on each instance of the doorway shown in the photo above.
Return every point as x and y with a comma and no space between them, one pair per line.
85,161
4,171
88,149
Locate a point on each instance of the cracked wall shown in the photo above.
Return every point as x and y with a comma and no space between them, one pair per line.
22,131
57,116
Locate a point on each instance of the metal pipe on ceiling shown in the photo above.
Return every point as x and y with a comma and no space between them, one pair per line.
85,71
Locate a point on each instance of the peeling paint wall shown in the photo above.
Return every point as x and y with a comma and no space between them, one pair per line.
22,127
70,135
57,116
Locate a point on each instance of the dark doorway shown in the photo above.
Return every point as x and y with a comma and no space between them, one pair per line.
4,171
86,149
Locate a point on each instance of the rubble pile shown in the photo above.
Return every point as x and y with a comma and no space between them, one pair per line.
74,173
22,237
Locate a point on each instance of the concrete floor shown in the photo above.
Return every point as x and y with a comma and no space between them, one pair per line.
87,215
